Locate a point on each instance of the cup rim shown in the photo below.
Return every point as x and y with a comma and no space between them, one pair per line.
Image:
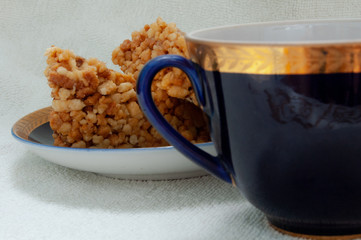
191,36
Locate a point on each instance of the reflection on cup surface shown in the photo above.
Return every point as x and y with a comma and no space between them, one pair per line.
304,99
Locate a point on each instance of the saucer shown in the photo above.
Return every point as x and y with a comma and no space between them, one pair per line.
160,163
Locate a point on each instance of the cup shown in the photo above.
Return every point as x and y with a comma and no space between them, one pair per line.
283,102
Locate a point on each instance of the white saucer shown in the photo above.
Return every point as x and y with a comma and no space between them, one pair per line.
161,163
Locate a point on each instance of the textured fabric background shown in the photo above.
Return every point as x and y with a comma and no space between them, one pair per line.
40,200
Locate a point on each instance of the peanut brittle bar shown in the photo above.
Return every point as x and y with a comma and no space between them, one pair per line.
153,40
96,107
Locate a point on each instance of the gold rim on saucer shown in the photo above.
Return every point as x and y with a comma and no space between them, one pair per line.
24,126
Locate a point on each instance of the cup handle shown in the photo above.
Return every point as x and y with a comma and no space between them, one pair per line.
211,163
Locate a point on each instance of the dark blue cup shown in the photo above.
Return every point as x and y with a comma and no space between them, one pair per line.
284,107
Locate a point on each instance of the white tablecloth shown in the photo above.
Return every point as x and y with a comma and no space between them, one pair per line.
41,200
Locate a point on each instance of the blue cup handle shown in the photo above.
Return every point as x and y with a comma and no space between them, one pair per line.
211,163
